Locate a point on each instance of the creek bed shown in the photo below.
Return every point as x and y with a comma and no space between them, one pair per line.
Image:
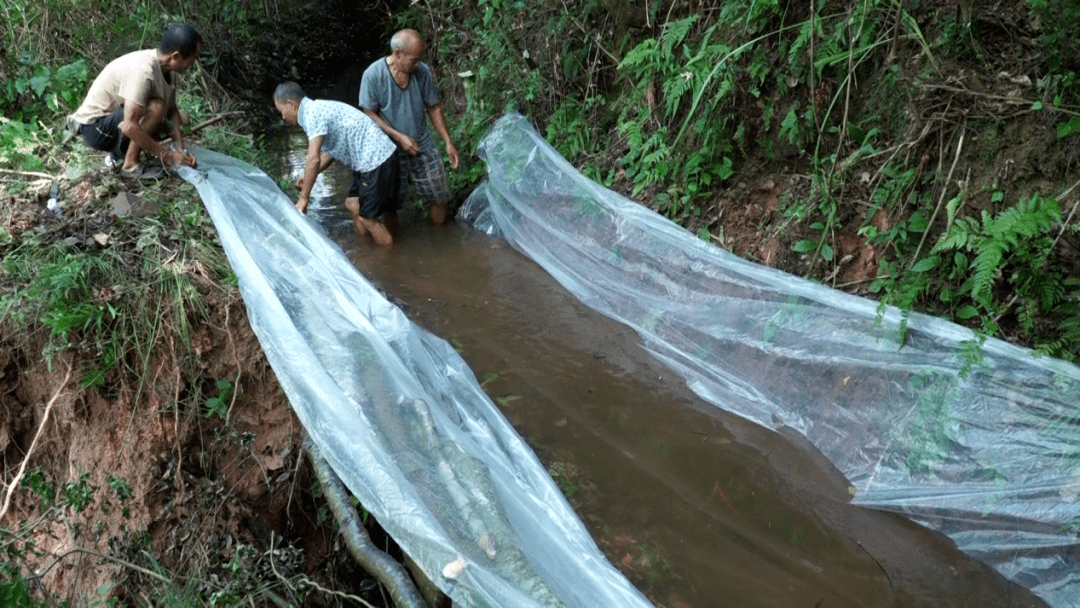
695,506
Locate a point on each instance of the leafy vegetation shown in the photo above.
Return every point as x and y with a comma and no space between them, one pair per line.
908,131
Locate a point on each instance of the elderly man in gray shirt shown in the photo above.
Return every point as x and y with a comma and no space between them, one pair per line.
338,131
398,92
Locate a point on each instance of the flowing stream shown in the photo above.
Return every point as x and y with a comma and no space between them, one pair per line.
696,507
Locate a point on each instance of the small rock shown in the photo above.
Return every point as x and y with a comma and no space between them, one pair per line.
454,569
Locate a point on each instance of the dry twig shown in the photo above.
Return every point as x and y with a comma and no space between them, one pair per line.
103,556
941,199
22,467
31,174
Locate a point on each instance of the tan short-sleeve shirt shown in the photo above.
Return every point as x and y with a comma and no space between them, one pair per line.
133,78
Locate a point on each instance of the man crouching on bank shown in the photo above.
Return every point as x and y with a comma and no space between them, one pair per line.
338,131
131,99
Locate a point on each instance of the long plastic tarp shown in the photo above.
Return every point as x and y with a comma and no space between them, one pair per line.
976,438
398,414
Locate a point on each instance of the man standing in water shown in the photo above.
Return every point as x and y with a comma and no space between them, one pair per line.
338,131
397,91
130,100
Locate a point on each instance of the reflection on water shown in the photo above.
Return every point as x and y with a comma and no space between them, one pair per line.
325,208
696,507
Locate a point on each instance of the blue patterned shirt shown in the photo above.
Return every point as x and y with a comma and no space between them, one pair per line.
351,137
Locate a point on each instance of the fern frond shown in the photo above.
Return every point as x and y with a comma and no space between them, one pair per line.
640,54
656,156
1025,220
802,41
675,33
986,265
1048,288
674,89
958,236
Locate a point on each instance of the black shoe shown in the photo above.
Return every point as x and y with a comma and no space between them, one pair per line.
143,172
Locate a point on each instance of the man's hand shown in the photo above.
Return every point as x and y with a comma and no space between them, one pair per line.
178,157
299,183
451,151
302,204
408,144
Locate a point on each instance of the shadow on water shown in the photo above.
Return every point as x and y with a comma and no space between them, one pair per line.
695,506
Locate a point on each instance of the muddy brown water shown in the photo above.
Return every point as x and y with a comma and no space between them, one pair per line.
695,506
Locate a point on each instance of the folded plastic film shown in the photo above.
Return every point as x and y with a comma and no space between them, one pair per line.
398,414
977,439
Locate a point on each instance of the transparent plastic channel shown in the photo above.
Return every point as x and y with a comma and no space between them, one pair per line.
398,414
977,439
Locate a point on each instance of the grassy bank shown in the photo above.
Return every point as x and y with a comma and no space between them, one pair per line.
115,304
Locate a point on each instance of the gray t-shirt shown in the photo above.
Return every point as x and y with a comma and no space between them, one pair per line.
405,109
349,135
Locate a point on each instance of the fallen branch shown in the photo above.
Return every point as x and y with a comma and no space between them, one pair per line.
375,561
30,173
206,123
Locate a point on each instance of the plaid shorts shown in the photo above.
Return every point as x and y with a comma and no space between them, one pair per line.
427,173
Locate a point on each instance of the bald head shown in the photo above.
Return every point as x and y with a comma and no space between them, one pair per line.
407,41
406,51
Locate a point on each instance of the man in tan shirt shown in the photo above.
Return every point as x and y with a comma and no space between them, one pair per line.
132,97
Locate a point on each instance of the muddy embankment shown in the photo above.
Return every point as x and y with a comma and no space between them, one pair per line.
182,473
151,471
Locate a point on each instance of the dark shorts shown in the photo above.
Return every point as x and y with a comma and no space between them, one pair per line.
105,135
377,189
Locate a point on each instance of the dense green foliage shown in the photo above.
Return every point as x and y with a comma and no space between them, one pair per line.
669,102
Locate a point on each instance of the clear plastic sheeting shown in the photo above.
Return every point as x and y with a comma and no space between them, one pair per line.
981,442
398,414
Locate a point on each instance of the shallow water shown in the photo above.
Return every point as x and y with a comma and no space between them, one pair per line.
696,507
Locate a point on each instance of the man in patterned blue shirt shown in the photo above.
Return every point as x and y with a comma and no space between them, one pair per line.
338,131
398,92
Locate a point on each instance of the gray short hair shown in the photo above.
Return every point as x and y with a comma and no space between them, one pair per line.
288,91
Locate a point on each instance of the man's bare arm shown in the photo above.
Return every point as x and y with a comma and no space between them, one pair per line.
325,160
312,168
130,127
177,120
437,119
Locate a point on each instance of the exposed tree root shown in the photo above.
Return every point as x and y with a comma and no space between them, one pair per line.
375,561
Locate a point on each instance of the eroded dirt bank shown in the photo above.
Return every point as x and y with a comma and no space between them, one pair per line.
151,471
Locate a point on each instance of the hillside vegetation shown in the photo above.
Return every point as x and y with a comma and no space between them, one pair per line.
923,154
